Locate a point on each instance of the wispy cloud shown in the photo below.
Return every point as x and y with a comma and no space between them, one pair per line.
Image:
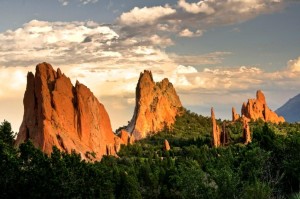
84,2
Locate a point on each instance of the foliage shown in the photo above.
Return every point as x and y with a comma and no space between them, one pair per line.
269,167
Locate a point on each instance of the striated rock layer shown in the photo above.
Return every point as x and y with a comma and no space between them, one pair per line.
157,105
66,116
257,109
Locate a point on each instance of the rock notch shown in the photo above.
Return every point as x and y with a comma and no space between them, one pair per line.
257,109
56,113
157,105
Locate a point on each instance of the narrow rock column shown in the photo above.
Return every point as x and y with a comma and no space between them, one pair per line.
215,130
246,131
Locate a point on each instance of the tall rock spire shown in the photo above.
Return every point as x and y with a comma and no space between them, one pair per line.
157,105
56,113
215,130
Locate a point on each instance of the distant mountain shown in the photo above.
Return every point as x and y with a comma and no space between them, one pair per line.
291,109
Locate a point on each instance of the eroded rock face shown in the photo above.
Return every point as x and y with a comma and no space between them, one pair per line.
215,130
69,117
257,109
157,105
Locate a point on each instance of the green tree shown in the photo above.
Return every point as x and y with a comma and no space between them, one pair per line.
6,133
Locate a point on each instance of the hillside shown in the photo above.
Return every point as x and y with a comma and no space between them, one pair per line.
267,167
291,109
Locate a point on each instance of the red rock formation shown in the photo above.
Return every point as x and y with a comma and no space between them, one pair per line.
157,105
246,130
257,109
235,115
167,146
58,114
126,137
215,130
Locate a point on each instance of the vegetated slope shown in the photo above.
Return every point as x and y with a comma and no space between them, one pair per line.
268,167
291,109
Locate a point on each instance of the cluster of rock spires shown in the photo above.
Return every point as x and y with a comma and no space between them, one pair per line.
56,113
254,109
257,109
157,105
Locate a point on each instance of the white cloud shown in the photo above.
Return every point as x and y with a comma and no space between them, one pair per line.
63,2
185,69
195,8
145,15
83,2
187,33
192,19
294,65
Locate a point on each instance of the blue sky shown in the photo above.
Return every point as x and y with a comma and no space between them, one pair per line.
216,52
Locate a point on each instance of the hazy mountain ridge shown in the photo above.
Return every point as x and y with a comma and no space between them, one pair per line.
291,109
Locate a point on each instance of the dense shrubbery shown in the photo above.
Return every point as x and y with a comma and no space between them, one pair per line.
269,167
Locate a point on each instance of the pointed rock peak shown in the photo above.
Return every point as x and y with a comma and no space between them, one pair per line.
77,83
157,105
59,73
146,77
215,134
45,70
212,113
57,114
235,116
260,96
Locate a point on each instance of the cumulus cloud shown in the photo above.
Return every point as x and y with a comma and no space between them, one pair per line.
187,33
145,15
195,8
294,65
191,19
